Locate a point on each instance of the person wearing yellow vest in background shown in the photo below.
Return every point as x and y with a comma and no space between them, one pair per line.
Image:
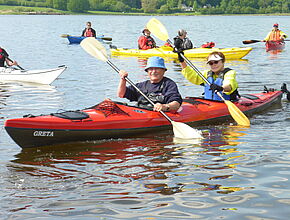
275,34
221,79
89,31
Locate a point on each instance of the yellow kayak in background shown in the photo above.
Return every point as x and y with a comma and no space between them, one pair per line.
230,53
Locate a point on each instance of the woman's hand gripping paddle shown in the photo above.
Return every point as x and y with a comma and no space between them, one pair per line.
97,50
158,29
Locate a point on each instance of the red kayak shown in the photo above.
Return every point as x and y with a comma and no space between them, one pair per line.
275,45
110,119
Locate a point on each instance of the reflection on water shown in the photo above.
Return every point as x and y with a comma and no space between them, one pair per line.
274,52
36,96
125,171
3,96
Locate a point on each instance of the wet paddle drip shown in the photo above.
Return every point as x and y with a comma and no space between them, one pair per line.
109,108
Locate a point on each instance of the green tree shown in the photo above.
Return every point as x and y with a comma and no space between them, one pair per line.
95,4
149,6
78,5
49,3
195,5
164,9
132,3
172,3
120,6
60,4
160,3
179,4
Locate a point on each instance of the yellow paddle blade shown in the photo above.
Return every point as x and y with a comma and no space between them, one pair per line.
184,131
64,35
93,47
157,28
237,114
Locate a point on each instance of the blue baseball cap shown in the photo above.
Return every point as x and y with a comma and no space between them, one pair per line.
155,62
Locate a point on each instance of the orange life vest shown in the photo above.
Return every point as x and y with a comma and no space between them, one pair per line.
275,35
89,33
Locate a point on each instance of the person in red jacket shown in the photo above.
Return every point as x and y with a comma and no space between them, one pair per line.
89,31
145,41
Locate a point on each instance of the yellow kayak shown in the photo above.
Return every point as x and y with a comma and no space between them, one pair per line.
230,53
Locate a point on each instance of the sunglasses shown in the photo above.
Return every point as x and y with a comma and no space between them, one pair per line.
213,62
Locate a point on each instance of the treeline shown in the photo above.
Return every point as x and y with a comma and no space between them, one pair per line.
162,6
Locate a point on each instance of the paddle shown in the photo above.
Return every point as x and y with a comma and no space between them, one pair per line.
97,50
11,60
251,41
157,28
254,41
103,38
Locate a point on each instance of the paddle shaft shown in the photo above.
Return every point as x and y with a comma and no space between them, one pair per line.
255,41
135,87
106,38
103,38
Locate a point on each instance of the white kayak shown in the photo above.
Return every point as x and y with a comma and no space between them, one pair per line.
45,76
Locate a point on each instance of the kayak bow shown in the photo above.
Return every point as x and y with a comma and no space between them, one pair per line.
45,76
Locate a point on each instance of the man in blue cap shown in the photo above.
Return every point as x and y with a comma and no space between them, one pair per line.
161,90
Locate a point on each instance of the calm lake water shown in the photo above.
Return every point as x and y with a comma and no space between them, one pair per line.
235,173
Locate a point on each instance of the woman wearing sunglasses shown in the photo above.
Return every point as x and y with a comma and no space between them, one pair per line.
221,79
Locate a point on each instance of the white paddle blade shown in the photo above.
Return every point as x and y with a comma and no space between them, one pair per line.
157,29
93,47
195,141
184,131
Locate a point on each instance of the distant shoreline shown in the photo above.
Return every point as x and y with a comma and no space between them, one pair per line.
21,10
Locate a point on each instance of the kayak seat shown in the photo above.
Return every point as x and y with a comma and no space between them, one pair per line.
108,107
71,115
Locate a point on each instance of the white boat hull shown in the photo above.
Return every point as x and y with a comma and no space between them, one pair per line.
45,76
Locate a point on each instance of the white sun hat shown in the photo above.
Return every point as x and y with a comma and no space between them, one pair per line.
214,57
